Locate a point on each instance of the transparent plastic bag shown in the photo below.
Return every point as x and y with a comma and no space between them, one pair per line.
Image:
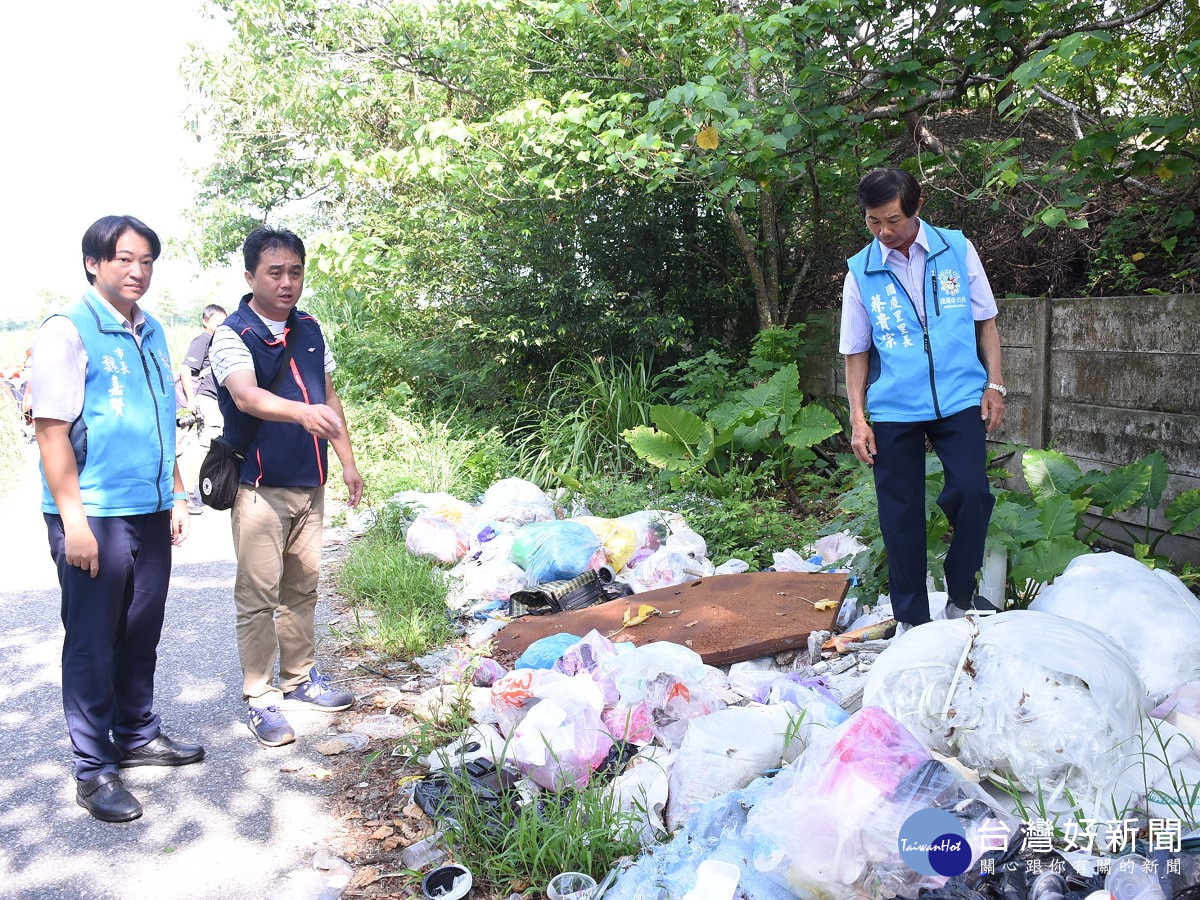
435,536
561,740
810,830
634,670
723,751
1149,613
664,568
675,702
1045,701
688,543
554,551
516,501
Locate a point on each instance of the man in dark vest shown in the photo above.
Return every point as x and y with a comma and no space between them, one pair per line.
113,500
273,369
922,361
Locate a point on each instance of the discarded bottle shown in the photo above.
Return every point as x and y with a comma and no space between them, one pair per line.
424,852
1130,878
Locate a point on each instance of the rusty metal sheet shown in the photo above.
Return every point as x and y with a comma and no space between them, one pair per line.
724,618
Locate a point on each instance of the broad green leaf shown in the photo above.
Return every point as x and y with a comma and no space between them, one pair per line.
1058,517
1184,512
681,424
810,426
1122,488
1046,560
1048,472
1158,478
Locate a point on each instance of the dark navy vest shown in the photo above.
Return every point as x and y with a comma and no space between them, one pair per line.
280,454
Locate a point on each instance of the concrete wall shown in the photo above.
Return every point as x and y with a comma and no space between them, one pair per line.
1103,380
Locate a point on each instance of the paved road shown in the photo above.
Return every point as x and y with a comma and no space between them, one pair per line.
233,826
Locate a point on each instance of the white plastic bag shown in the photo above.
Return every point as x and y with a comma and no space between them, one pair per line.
1045,701
1147,612
642,791
436,536
516,501
665,568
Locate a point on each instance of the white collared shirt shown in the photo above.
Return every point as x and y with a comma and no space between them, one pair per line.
910,271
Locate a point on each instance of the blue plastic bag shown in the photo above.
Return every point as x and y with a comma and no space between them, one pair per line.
545,652
554,551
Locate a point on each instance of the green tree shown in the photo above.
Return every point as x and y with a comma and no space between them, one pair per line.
506,178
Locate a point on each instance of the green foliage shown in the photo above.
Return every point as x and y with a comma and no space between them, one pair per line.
399,600
1044,530
579,417
401,450
511,844
753,419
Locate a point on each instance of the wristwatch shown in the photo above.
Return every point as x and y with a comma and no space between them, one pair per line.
999,388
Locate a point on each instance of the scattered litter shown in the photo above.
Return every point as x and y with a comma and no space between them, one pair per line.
383,726
347,742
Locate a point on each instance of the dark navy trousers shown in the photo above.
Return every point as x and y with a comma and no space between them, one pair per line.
960,441
113,623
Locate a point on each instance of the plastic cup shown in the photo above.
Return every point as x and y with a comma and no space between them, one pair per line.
1131,879
451,882
571,886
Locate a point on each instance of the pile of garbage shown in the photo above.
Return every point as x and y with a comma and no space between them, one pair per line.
803,769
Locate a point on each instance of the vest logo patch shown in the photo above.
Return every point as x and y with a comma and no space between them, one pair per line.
949,282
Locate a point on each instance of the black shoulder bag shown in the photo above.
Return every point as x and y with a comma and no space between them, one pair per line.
221,471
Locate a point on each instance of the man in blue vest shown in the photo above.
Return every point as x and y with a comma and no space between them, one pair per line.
922,362
104,416
273,367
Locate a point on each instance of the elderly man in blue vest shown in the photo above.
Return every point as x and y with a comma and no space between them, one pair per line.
104,416
922,362
280,408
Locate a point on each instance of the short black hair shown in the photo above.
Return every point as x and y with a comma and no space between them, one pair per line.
100,240
264,237
211,310
881,186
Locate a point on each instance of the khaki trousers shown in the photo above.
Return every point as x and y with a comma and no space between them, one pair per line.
277,541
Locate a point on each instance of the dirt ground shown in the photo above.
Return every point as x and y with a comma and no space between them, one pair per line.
371,789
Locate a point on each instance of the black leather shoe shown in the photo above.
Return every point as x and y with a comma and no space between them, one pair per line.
162,751
106,798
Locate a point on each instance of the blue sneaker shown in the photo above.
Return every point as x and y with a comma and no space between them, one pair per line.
270,727
317,693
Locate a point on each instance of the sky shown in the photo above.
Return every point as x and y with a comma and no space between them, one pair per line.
94,113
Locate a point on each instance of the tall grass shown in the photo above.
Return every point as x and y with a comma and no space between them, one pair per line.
399,600
580,415
398,450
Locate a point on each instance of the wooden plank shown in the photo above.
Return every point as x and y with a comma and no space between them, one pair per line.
724,618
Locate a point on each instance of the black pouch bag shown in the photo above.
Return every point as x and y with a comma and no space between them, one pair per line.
221,471
220,474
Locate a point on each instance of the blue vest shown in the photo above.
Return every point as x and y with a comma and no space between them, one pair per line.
281,454
126,432
917,373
